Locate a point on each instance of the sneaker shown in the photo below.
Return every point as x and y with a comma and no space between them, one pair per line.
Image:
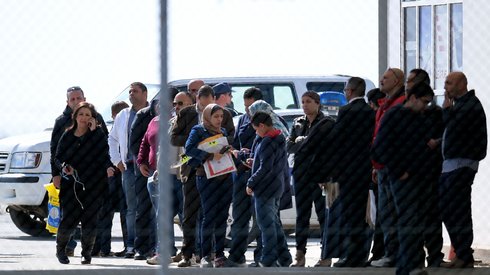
206,262
254,264
274,264
155,260
220,262
323,263
384,262
177,258
185,262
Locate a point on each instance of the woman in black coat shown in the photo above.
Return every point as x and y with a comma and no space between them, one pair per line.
83,157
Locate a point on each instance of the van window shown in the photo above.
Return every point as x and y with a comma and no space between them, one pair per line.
278,95
326,86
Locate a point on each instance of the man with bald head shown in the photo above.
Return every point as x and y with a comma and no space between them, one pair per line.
193,86
464,145
391,84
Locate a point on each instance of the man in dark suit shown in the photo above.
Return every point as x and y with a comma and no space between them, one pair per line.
349,164
186,119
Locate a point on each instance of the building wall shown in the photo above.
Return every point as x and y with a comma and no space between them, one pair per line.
476,64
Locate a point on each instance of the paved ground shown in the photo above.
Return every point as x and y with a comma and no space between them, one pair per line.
23,254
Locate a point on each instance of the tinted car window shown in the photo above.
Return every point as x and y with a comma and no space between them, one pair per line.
278,95
325,86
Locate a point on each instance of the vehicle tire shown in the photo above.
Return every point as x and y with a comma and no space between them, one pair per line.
29,223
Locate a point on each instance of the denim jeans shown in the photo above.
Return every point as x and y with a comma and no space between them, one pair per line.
455,194
274,245
154,191
242,212
407,196
216,194
128,181
387,214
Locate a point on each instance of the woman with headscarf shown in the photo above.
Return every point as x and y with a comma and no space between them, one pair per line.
277,121
216,193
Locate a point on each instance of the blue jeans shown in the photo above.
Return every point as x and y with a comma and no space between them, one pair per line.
215,200
274,245
242,212
387,214
154,191
128,181
411,213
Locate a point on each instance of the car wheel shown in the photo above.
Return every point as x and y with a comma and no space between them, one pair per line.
29,222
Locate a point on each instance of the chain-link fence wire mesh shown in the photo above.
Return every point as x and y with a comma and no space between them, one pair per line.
340,234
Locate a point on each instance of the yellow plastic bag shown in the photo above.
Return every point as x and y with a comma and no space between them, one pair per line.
53,208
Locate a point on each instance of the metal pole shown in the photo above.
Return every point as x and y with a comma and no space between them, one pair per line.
165,198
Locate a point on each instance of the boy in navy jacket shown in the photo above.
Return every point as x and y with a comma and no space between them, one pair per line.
269,171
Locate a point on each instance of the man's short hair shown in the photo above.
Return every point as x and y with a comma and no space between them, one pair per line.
261,117
73,89
419,90
140,85
205,91
118,106
254,93
357,84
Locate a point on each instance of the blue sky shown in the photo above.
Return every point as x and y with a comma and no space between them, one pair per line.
103,46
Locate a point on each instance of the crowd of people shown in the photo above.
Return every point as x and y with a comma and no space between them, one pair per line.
398,152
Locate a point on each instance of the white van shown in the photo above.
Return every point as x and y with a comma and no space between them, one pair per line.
24,160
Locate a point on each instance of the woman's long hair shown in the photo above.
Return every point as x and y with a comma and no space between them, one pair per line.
81,105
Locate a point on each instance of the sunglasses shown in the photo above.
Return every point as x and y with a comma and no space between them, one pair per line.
180,103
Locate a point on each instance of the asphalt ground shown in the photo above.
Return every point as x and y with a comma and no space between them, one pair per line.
23,254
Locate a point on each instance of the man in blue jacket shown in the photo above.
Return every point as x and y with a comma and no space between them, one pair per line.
266,184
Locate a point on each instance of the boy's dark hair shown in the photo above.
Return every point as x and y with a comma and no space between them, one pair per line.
261,117
254,93
205,91
419,90
420,76
374,94
118,106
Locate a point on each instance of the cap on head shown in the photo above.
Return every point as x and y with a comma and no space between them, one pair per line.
221,88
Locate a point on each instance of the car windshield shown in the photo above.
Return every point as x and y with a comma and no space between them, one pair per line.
106,112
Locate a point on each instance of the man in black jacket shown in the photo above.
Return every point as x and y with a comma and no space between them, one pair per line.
400,146
74,96
464,144
145,225
351,168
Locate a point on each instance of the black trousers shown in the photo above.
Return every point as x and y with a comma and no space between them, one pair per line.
192,205
305,195
83,210
455,194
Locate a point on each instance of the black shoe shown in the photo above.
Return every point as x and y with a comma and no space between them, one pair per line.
63,259
129,255
120,253
140,257
109,254
86,260
344,262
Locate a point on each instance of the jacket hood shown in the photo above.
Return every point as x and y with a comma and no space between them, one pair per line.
274,133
